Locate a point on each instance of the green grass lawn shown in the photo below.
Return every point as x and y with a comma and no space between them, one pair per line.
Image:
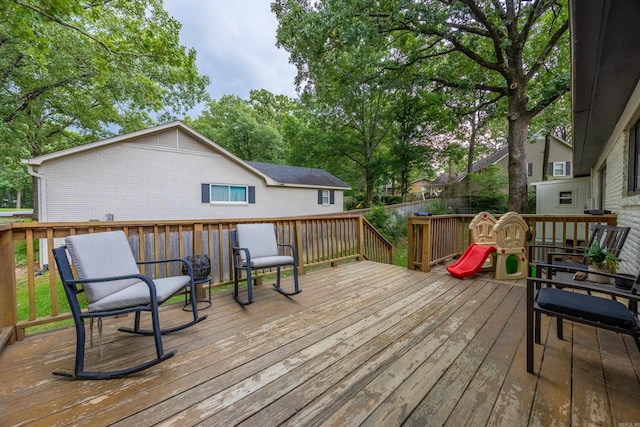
400,253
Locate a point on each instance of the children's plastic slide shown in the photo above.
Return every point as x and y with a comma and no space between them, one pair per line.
471,261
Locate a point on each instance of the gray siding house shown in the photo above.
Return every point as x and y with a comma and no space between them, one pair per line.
173,172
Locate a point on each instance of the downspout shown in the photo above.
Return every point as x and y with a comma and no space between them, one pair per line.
42,185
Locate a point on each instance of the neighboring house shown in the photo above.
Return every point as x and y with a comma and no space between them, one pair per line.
558,165
606,110
424,188
173,172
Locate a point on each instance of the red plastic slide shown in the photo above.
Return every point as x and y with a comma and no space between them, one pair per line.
471,261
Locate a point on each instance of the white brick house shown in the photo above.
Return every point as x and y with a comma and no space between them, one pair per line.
173,172
606,110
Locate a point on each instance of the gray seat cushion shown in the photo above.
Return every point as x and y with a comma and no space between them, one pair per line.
108,254
100,255
269,261
260,239
138,294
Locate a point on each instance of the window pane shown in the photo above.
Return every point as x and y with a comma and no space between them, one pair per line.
558,169
325,197
566,198
219,193
238,194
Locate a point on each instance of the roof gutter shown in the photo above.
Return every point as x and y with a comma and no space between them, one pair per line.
41,191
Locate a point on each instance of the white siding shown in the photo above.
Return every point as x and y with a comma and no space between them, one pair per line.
159,177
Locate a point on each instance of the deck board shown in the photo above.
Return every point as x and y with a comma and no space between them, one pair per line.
363,344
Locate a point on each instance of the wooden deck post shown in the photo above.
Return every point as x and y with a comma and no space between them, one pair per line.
298,242
198,249
418,243
360,238
8,309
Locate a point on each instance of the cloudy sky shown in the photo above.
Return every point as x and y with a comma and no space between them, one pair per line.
235,41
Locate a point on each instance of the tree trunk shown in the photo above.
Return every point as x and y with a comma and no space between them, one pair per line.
517,142
472,147
369,184
545,158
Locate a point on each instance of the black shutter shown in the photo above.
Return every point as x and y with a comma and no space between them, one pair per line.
252,194
206,194
319,197
568,170
332,197
529,169
550,172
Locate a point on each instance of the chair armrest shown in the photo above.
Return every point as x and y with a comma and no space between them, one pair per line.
235,251
291,247
168,260
531,249
585,285
142,277
551,255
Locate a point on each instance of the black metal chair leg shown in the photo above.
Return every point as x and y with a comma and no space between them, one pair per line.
296,289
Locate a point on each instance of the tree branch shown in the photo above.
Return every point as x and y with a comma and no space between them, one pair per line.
30,96
547,50
496,89
77,29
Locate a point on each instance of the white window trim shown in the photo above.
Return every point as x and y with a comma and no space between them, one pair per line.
229,202
564,168
572,197
326,195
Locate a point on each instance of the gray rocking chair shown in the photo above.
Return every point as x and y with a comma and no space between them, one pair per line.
112,283
255,246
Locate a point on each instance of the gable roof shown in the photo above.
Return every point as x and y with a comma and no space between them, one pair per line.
274,175
299,175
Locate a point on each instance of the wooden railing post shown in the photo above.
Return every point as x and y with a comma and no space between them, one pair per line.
8,308
425,261
418,233
360,238
298,242
198,249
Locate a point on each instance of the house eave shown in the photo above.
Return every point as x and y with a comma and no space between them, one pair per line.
605,71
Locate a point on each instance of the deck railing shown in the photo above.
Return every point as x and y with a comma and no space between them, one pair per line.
434,240
319,240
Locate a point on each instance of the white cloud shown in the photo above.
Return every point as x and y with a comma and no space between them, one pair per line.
235,41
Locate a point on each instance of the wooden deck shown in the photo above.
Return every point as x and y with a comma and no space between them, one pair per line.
363,344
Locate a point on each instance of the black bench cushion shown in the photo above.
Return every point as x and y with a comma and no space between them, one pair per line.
587,307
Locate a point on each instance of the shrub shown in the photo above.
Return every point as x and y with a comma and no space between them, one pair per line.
391,224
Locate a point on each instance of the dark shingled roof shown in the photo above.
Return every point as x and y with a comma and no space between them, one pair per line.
297,175
491,159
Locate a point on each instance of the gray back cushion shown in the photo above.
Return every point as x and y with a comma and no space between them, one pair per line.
100,255
260,239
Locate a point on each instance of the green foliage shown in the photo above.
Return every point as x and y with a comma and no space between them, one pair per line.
20,250
511,61
391,224
74,71
489,196
439,207
246,128
599,257
489,180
